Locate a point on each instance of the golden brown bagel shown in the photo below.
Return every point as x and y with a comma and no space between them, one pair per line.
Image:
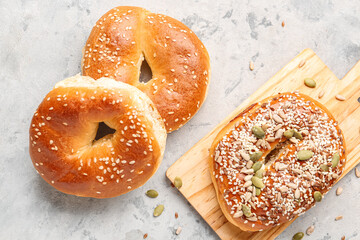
289,184
63,130
124,36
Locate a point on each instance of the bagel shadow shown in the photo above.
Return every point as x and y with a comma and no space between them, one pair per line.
62,202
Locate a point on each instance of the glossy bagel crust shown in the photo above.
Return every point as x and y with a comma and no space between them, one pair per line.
289,184
63,129
124,36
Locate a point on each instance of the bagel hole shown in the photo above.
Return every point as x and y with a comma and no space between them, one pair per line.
145,72
103,130
275,153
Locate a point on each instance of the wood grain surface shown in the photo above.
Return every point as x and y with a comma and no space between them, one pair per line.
192,167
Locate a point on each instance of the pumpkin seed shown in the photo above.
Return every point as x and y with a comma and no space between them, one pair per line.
303,155
298,236
258,191
257,182
258,132
259,173
309,82
152,193
177,182
289,133
158,210
256,156
246,210
298,135
335,160
257,166
317,196
324,167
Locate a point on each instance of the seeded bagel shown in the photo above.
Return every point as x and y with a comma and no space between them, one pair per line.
65,152
123,37
275,160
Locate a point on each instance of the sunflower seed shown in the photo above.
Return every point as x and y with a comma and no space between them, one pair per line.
277,127
249,164
279,133
321,94
238,214
340,97
293,140
270,139
245,156
247,196
277,118
310,230
297,171
339,191
282,166
252,219
247,171
248,178
247,184
283,189
178,230
292,185
302,63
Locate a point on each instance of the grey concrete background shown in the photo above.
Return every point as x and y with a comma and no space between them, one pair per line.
40,44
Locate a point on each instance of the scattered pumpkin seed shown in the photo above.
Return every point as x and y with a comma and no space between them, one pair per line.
309,82
257,166
257,182
258,191
317,196
289,133
177,182
259,173
158,210
335,160
256,156
324,167
258,132
246,210
152,193
303,155
298,135
298,236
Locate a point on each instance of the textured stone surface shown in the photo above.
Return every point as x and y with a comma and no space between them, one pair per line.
40,44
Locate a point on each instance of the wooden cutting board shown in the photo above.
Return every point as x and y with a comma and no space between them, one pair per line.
192,167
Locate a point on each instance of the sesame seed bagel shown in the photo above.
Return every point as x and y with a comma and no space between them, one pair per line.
275,160
124,36
62,137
